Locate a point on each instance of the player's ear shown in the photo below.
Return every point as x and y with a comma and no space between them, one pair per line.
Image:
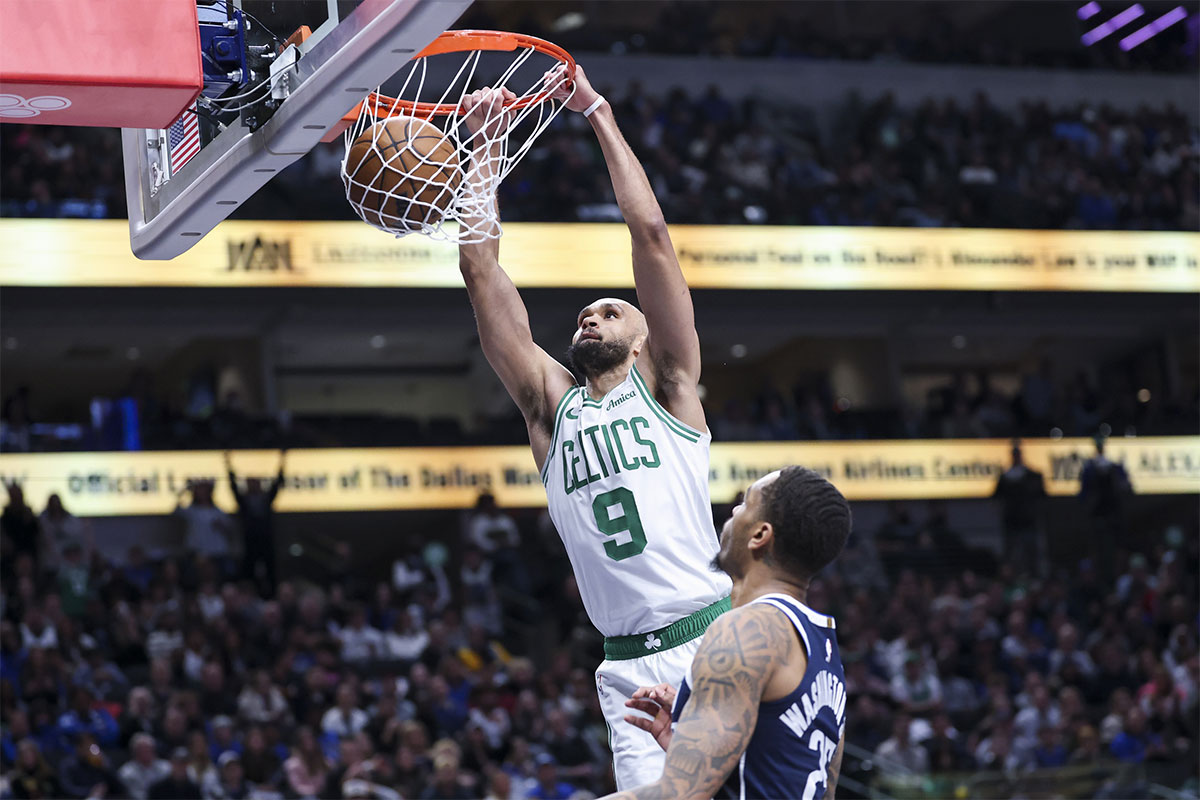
639,344
762,536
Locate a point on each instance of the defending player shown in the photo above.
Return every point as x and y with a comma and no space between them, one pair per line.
625,456
762,710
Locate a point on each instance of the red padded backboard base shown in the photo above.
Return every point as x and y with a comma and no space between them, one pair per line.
126,64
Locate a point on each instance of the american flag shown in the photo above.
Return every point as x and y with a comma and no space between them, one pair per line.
184,139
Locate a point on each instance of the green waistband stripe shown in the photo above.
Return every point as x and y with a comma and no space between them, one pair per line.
668,420
623,648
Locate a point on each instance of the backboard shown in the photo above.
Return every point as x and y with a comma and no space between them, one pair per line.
279,74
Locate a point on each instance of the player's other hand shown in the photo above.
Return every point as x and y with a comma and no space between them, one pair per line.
584,94
656,702
484,109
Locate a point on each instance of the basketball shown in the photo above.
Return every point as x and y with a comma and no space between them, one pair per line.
403,173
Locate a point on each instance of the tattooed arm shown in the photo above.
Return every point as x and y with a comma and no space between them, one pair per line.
835,769
736,659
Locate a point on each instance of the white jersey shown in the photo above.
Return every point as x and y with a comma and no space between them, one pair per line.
627,486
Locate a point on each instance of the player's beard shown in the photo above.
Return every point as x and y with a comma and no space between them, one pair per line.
591,357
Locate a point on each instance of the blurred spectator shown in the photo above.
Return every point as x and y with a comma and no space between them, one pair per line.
262,702
1041,713
1103,487
207,529
946,753
1136,743
1050,751
102,678
144,769
138,715
260,763
19,524
1087,747
86,772
916,689
489,528
406,642
177,785
900,750
306,769
1020,491
31,777
344,719
58,529
83,717
549,787
257,518
360,642
231,784
200,768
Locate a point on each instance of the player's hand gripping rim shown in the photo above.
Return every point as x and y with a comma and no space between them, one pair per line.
656,702
578,95
486,109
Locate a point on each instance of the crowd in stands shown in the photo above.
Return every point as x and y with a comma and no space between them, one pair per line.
181,674
61,172
938,164
802,31
966,406
957,671
177,675
713,160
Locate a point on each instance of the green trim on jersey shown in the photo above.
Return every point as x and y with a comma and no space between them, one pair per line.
673,424
624,648
558,412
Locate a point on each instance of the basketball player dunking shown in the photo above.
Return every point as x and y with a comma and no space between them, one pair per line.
762,710
624,457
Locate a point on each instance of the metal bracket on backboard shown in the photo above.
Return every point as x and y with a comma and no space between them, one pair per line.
361,52
281,69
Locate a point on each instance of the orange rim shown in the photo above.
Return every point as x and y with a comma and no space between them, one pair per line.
462,42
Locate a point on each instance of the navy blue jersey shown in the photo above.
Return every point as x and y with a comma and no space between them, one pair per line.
797,735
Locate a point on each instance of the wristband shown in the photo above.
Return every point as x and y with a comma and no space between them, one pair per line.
587,112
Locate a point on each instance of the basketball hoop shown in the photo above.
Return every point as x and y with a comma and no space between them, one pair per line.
403,187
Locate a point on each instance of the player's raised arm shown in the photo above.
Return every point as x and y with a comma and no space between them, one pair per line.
673,346
731,670
534,380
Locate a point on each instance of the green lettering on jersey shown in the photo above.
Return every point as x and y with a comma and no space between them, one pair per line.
570,481
625,462
646,442
583,452
612,457
574,452
591,432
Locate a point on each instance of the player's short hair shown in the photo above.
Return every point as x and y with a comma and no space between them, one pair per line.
811,519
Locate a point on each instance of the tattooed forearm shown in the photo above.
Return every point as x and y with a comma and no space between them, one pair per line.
730,671
835,769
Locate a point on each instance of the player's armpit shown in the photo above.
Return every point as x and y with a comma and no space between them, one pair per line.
736,659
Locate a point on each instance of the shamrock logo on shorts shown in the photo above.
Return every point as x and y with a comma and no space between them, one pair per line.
652,642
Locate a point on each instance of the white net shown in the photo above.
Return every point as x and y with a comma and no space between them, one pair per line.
408,169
